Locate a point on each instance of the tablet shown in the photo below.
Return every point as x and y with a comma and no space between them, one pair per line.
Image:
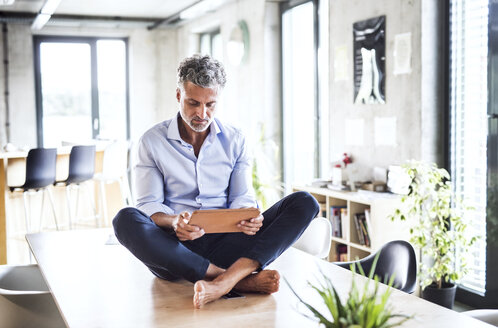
223,220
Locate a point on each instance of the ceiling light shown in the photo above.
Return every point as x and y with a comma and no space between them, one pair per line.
200,8
50,6
40,21
6,2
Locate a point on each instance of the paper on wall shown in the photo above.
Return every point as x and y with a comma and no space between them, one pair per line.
402,53
385,131
354,132
341,63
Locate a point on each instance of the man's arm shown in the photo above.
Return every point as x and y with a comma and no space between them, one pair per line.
240,190
178,223
149,181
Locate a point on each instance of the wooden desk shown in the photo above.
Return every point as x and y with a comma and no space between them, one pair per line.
99,285
18,158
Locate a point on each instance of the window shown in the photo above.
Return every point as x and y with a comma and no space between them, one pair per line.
300,114
81,89
210,43
473,134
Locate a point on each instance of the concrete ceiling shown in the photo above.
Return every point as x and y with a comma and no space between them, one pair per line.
157,9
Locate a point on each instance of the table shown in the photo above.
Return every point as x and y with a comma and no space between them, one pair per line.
18,158
100,285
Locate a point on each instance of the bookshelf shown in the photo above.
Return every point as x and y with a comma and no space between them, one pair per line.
346,239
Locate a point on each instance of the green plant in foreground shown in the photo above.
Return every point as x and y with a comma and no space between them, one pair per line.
440,230
362,309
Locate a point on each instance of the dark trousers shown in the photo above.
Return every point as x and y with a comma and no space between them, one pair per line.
169,258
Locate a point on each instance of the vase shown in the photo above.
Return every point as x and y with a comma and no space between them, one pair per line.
444,296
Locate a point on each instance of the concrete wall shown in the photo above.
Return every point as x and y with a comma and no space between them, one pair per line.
146,83
251,96
412,100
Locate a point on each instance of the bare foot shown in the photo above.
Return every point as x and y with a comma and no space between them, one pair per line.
207,291
266,281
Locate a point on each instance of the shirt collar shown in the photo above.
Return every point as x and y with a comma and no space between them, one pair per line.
174,131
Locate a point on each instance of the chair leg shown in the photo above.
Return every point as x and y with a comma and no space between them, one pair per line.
26,211
92,202
123,192
27,220
51,198
68,201
77,187
128,190
41,209
103,201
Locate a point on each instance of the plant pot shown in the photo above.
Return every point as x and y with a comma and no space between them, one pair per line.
444,296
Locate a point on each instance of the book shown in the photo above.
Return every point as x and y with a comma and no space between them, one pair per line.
341,253
344,222
335,220
366,237
323,209
359,232
368,224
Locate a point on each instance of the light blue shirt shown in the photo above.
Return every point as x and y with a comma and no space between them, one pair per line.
171,179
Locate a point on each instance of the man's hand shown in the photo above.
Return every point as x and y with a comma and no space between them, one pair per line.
250,227
185,231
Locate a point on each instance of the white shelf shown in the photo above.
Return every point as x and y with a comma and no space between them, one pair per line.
382,229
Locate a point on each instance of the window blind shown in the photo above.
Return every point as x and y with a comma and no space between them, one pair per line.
468,123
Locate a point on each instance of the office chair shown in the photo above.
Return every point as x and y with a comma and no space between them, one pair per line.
396,258
114,169
487,315
40,175
81,169
25,299
315,240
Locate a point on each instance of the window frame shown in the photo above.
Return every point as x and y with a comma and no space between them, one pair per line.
464,295
92,41
285,6
211,33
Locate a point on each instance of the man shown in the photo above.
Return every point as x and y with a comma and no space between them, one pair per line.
191,162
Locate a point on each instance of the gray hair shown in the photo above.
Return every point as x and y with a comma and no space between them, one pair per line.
203,71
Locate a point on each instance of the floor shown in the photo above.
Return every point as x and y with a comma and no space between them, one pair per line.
17,247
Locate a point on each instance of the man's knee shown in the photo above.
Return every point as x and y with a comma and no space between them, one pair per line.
125,217
307,202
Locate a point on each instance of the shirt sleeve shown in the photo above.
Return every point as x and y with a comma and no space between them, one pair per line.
149,182
240,190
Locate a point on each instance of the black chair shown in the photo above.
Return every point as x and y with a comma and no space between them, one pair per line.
396,258
81,169
40,175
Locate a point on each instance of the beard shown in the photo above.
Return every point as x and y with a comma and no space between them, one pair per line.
195,122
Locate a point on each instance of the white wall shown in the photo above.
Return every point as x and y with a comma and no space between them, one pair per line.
412,99
251,96
146,72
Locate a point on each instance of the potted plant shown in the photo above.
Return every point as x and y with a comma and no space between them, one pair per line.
364,308
439,230
265,181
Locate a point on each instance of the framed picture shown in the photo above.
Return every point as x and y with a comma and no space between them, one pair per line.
369,48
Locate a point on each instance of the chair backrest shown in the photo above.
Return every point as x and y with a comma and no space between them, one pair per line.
40,168
115,162
487,315
315,240
81,164
396,258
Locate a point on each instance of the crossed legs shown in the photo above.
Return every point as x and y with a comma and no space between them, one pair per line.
219,262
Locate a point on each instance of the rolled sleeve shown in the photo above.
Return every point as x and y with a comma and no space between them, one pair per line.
241,192
150,183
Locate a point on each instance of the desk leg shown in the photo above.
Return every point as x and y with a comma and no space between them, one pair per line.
3,221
